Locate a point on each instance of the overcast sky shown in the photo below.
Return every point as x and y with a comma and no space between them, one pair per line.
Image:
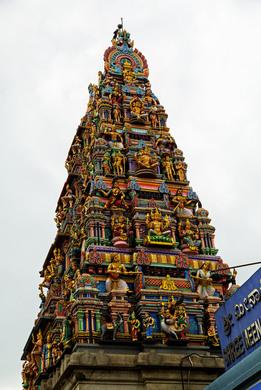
204,59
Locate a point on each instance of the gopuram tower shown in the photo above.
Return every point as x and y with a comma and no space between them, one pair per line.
132,281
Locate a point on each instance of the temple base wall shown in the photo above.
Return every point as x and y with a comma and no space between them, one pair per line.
92,367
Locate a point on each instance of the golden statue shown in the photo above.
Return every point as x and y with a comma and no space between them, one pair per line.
181,169
168,284
115,269
118,164
189,236
168,167
127,72
117,114
156,225
119,227
145,159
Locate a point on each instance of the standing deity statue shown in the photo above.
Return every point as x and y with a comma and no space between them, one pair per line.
168,167
117,113
119,161
135,326
106,164
149,324
153,117
181,169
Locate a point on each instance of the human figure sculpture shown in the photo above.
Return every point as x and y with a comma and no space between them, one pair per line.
76,146
106,164
168,167
204,281
119,161
181,169
153,117
127,72
135,326
189,236
119,227
117,114
115,270
116,140
149,324
156,225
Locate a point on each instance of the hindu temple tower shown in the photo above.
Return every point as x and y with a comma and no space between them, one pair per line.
132,281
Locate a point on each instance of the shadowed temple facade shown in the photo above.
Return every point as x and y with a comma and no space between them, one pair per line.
131,283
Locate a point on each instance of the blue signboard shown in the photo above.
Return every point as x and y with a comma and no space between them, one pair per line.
239,321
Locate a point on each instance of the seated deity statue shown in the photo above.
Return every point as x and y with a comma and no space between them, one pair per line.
189,236
115,270
145,159
137,112
159,231
119,227
168,284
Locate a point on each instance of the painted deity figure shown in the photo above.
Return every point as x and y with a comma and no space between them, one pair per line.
156,225
106,164
76,146
204,281
153,117
149,324
119,227
168,167
115,270
127,72
119,161
189,236
116,197
135,326
116,140
181,203
168,284
145,159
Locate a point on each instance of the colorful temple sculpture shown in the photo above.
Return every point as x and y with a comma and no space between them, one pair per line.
134,263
